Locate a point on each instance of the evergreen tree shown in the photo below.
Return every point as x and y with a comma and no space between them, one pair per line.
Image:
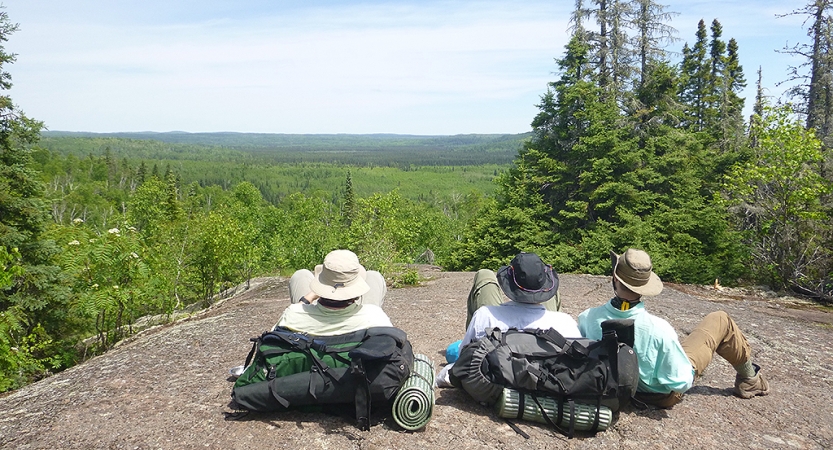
621,54
710,90
591,179
815,92
141,173
542,199
577,18
729,127
349,200
814,97
757,111
126,175
695,80
650,20
652,34
602,42
737,80
32,308
610,53
110,165
173,208
715,82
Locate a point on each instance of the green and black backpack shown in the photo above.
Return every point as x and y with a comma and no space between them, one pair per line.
287,369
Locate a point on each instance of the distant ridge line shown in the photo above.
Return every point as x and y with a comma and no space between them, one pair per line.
500,142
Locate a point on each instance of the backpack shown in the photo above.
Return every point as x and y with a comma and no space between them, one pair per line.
287,369
602,373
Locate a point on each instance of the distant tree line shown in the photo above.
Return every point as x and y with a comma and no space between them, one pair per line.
370,150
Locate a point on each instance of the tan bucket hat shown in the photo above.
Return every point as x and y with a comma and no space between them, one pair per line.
634,270
341,277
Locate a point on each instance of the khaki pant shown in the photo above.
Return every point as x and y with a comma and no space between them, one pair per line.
485,291
716,333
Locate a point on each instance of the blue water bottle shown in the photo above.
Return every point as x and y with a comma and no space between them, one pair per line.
453,351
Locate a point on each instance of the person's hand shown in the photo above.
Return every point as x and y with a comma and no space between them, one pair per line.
311,296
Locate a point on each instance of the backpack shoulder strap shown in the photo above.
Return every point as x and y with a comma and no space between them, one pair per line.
496,335
255,345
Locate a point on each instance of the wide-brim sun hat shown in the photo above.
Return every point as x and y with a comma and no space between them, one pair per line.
340,277
527,279
636,272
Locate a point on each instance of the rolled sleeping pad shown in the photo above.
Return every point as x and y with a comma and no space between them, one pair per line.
509,402
414,403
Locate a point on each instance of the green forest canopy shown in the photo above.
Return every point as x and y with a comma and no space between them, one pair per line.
370,149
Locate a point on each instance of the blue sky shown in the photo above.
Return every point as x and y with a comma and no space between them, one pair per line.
406,67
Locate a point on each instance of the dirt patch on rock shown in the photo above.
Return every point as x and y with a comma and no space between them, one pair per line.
168,387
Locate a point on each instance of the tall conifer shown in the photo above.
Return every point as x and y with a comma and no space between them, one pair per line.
34,303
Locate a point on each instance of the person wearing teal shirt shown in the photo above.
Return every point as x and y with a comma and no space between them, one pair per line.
667,367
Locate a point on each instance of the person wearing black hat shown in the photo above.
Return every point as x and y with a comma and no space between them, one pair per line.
539,280
667,367
532,288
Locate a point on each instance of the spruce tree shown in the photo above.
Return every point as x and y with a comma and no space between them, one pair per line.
611,54
730,125
650,21
349,200
715,82
695,80
757,111
142,172
814,93
592,179
173,207
32,307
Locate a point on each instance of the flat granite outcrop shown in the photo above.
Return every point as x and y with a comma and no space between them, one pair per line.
168,387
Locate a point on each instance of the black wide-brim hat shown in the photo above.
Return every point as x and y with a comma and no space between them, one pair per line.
527,279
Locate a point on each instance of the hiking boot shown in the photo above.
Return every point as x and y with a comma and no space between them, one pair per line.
750,387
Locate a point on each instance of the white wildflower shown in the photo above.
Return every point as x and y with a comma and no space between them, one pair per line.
116,287
95,286
134,255
77,220
133,229
75,242
113,231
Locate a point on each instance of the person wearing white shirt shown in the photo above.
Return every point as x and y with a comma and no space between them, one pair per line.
528,283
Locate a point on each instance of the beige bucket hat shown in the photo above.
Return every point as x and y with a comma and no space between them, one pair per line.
634,270
341,277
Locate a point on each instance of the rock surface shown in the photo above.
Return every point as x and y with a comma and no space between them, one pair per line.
167,387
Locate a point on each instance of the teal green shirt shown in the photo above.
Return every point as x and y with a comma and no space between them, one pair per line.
663,365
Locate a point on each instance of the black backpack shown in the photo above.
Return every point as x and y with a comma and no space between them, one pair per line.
287,369
542,362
